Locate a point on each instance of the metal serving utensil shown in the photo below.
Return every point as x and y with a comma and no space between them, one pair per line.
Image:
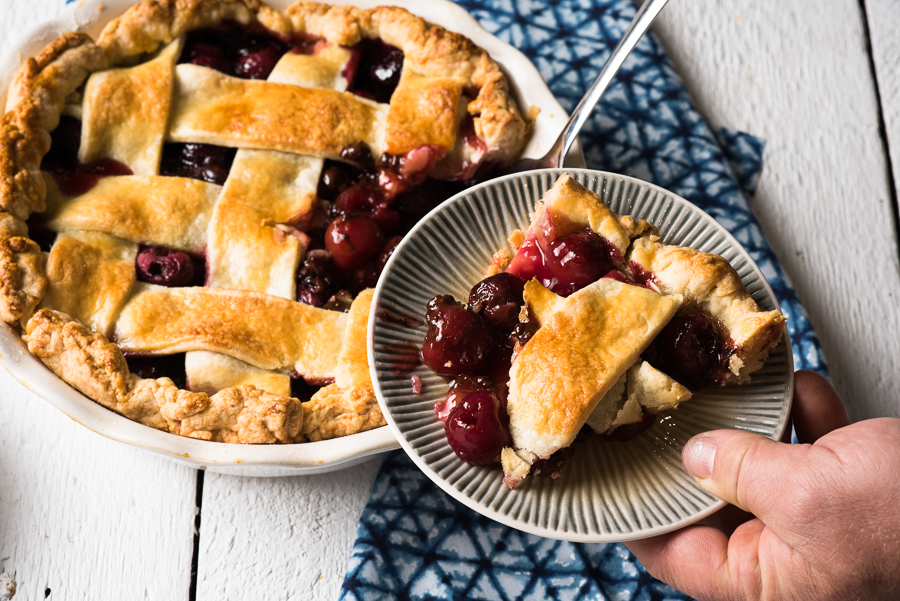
636,30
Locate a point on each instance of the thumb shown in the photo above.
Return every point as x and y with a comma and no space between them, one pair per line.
744,469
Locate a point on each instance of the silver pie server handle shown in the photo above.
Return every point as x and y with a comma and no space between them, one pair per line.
636,30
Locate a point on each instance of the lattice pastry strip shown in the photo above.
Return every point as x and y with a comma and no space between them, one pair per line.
153,209
213,108
90,276
125,113
249,249
249,326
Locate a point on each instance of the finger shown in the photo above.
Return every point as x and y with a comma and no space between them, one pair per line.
747,470
727,519
817,408
704,563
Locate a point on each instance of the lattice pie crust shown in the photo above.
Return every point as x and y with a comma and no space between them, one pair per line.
243,332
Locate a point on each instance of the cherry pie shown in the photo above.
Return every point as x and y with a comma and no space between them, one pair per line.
593,322
211,190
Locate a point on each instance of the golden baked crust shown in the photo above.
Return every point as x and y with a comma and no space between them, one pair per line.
85,360
424,110
642,387
211,372
96,367
11,226
333,412
169,211
246,325
714,286
90,275
22,279
353,364
34,102
244,414
572,207
431,50
126,112
131,98
213,108
583,346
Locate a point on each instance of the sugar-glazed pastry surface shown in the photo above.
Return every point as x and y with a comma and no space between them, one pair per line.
80,303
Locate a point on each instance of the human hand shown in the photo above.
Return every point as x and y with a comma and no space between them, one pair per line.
827,523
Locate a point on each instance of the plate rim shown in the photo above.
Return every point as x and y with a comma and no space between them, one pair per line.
503,518
296,459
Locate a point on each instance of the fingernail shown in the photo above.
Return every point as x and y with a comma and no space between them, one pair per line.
699,455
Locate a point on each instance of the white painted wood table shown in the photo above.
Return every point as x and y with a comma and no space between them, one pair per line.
82,517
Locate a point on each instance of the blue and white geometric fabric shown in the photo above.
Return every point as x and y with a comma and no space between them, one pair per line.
414,541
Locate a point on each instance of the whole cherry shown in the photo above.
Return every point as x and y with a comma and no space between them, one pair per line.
457,341
474,429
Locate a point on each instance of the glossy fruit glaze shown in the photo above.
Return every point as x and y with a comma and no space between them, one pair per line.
563,263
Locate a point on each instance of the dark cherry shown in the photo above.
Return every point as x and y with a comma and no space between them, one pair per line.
353,240
499,363
336,177
360,155
688,349
198,161
565,264
315,279
165,267
249,51
65,140
384,75
523,331
498,299
86,176
258,64
152,367
367,199
340,301
376,72
300,388
629,431
387,250
458,341
367,275
642,276
418,202
474,430
461,387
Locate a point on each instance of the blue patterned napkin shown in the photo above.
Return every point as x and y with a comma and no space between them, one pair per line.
416,542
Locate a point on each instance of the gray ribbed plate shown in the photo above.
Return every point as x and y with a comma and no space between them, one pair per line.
609,491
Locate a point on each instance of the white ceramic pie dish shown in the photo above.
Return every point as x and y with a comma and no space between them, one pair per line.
253,460
609,491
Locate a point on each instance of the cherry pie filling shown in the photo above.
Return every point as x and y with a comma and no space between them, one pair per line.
473,345
365,205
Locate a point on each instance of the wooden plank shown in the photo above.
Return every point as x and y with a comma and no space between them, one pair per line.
884,21
282,538
798,75
86,517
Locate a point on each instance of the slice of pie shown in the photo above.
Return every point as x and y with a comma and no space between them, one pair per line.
195,207
610,327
